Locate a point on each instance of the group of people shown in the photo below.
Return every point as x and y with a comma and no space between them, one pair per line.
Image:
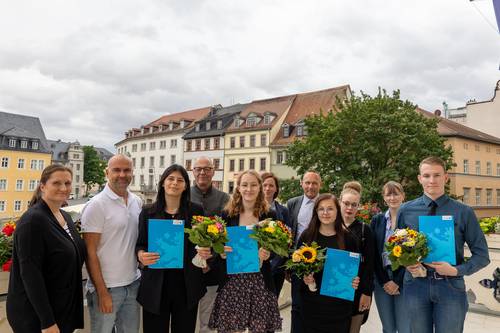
45,290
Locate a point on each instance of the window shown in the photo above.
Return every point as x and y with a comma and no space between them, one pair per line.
263,140
498,197
152,145
216,143
173,143
77,178
162,161
216,163
17,205
32,185
207,144
189,145
498,151
163,144
5,162
77,156
466,195
34,145
2,206
466,166
41,164
489,169
172,159
12,143
231,186
78,166
476,147
242,141
252,164
300,130
197,144
24,144
231,165
197,128
133,162
498,169
143,146
152,162
478,196
241,165
279,157
252,140
133,181
232,142
188,164
263,164
251,121
3,184
208,125
466,146
134,147
19,185
478,167
237,122
141,179
489,197
20,163
219,124
286,131
34,164
267,119
143,162
488,149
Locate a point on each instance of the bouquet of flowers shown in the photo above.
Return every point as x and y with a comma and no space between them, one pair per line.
306,260
407,247
273,236
6,238
207,232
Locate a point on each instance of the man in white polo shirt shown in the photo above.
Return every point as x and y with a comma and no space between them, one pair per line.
109,224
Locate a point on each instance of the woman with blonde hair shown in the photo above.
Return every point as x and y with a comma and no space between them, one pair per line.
349,203
247,301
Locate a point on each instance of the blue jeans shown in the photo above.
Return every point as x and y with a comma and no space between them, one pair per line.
125,317
391,310
438,303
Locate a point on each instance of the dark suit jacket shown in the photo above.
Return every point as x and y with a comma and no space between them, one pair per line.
45,286
378,226
293,205
151,291
266,265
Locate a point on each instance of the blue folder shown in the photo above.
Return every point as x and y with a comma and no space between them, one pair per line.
341,267
440,233
167,238
245,255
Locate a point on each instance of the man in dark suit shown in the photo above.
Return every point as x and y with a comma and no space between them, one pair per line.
301,209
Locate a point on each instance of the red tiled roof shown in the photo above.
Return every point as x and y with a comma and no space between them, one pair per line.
191,115
308,104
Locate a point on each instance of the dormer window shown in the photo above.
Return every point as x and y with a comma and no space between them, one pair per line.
219,124
208,125
24,144
12,143
251,121
171,126
183,123
197,128
268,118
300,130
160,127
237,122
34,145
286,130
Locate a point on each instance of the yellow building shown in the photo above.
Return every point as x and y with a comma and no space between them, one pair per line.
23,155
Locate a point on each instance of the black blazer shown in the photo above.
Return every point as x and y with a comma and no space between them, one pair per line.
378,226
293,206
151,291
45,286
266,265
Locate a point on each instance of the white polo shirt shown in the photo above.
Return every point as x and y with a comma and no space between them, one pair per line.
107,214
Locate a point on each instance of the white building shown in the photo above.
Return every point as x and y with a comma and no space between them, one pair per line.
70,154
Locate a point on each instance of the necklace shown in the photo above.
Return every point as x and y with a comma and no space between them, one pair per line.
174,212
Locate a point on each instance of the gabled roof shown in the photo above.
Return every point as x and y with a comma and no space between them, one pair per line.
308,104
191,115
103,153
20,126
58,149
449,128
277,105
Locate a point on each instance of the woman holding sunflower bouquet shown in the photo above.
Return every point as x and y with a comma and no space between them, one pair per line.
247,301
326,229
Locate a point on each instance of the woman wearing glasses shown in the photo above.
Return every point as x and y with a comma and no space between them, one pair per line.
388,284
322,313
349,203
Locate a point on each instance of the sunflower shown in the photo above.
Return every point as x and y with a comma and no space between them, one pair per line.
396,251
309,254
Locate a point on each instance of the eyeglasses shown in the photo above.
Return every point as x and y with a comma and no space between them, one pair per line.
206,169
327,210
350,204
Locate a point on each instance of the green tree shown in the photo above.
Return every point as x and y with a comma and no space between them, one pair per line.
371,140
289,188
93,168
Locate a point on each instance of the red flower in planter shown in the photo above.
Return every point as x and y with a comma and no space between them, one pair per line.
8,228
6,266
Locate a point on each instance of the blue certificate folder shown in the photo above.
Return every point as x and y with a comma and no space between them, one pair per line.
245,255
440,233
167,238
341,267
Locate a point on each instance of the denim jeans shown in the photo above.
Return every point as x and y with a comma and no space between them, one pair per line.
438,303
391,310
125,317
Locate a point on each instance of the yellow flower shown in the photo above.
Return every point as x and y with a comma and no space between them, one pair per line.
269,229
396,251
309,253
412,233
212,229
410,243
296,257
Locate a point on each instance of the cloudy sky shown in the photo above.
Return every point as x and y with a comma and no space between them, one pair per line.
93,69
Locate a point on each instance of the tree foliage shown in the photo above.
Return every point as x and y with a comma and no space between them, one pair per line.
289,188
371,140
93,168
